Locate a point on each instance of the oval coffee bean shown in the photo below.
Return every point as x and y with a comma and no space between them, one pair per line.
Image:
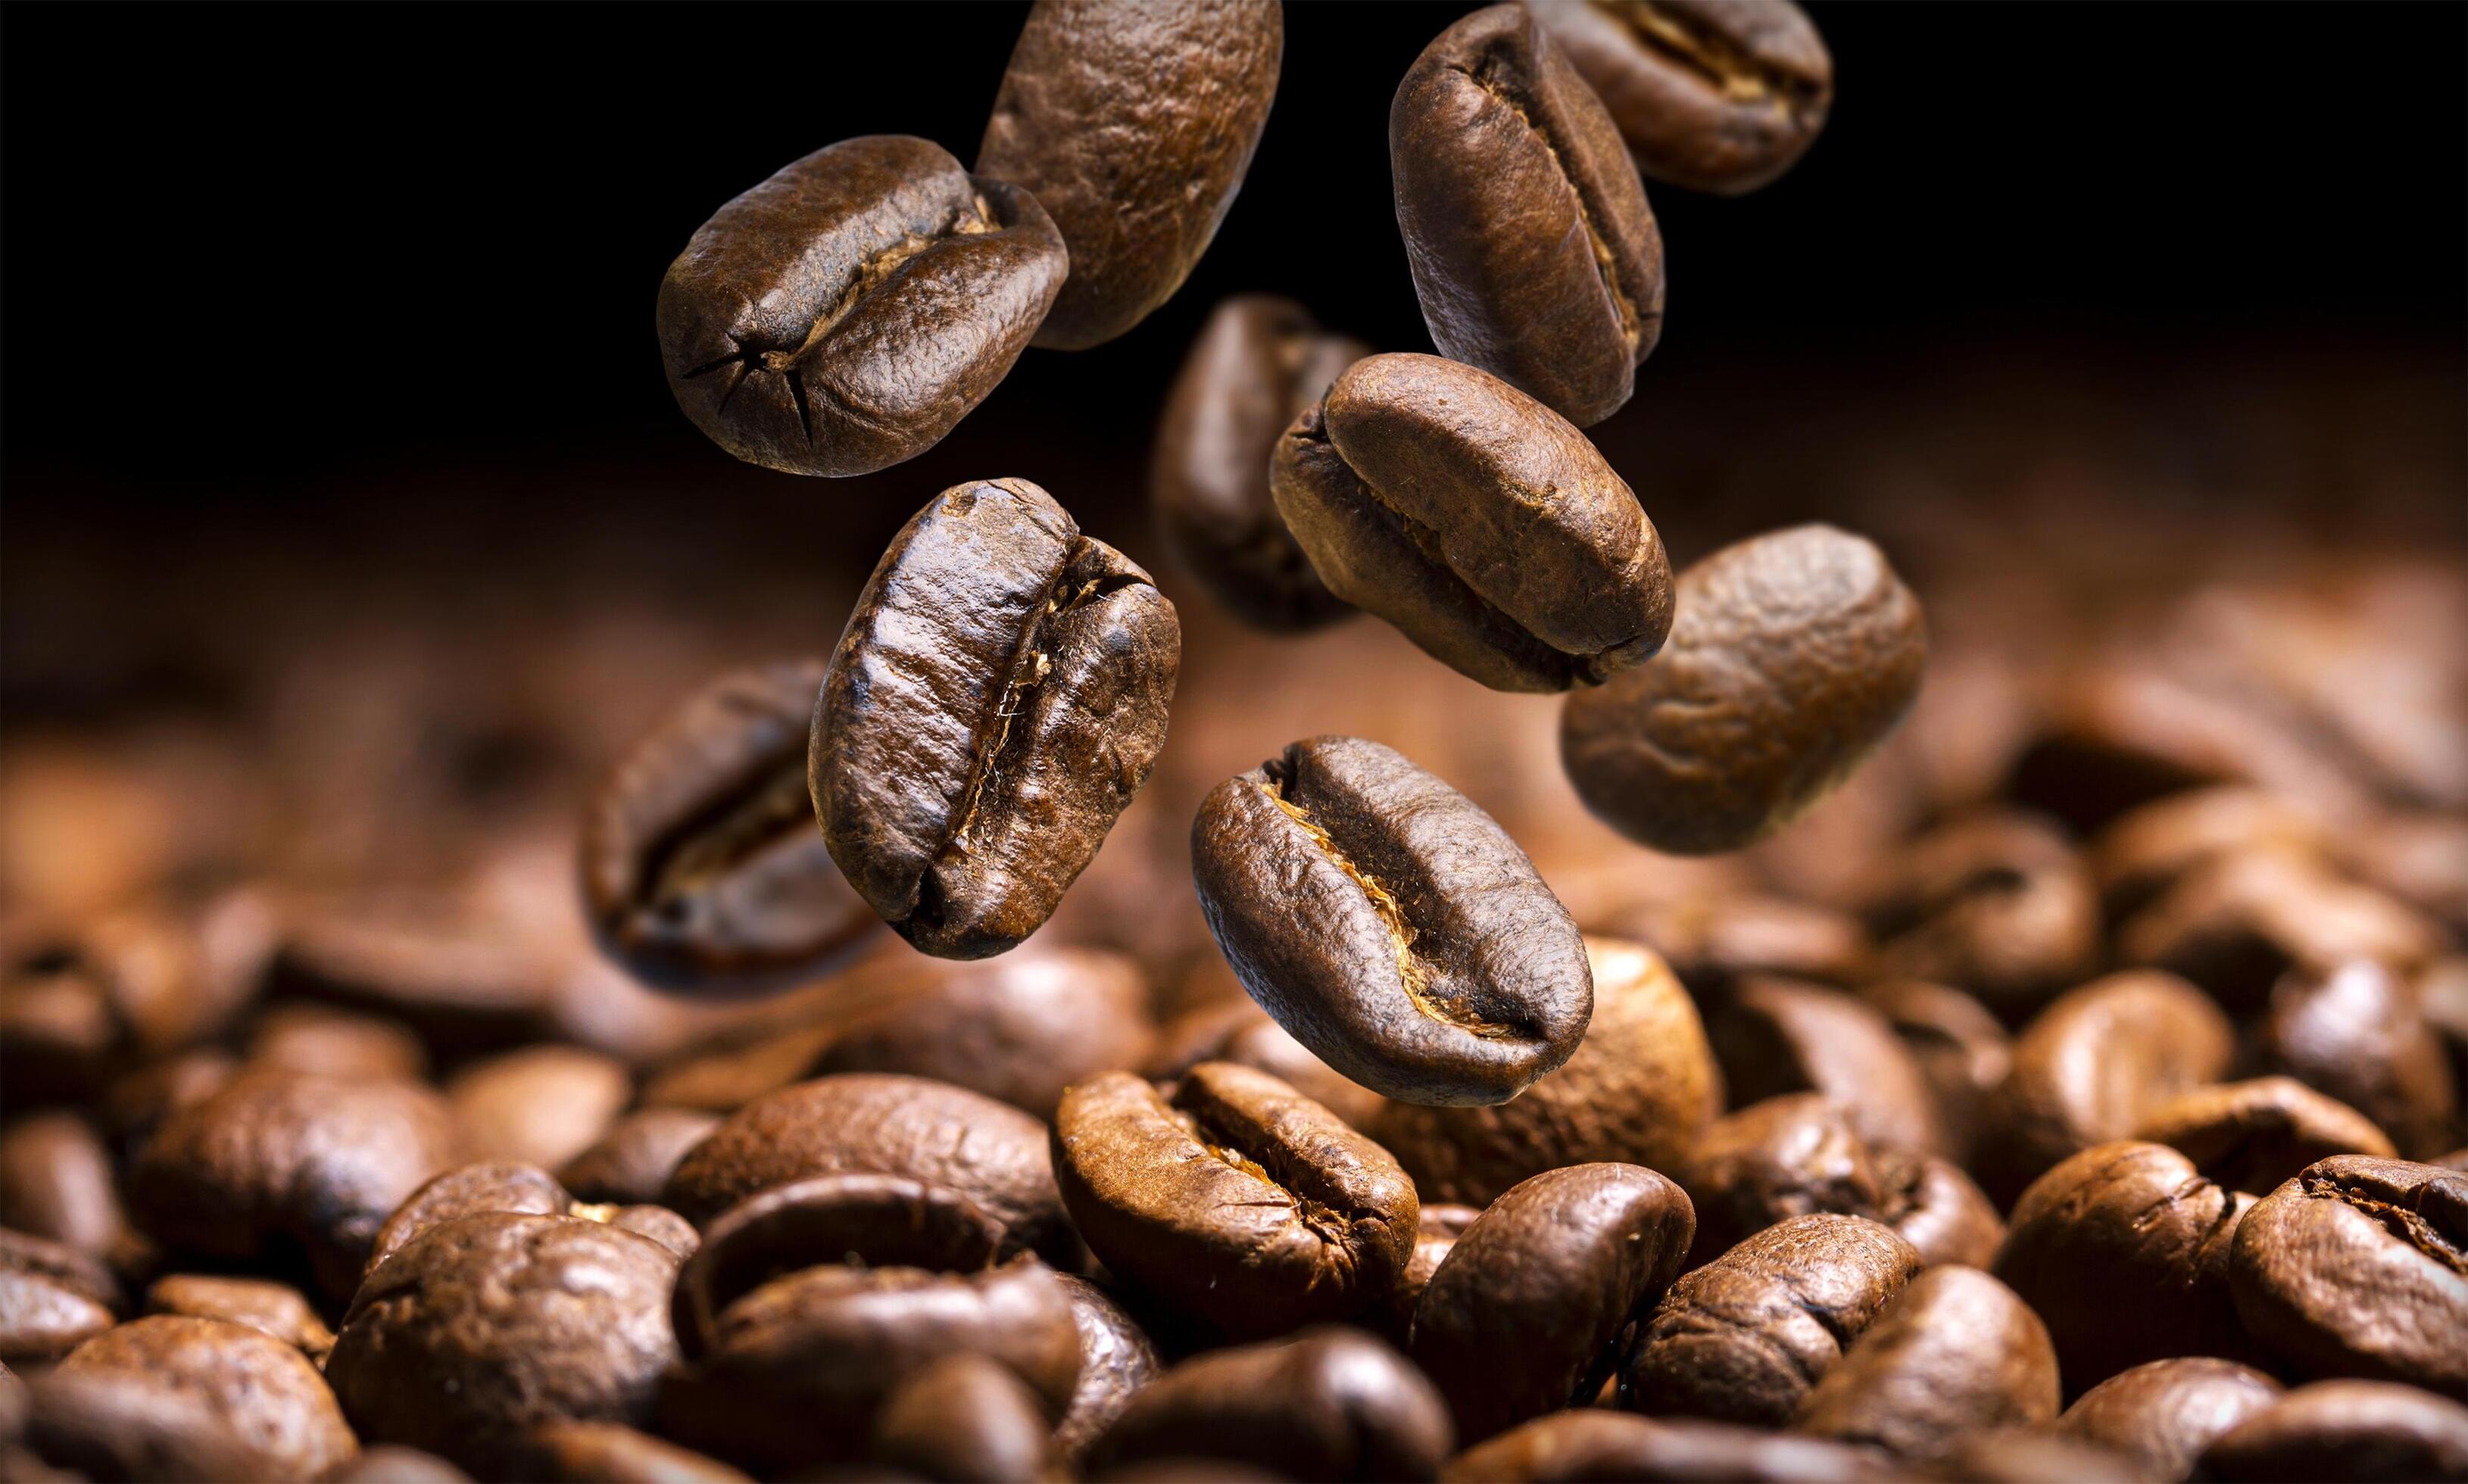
849,311
1116,1360
1476,520
2165,1412
53,1299
595,1452
1962,1051
57,1182
1997,903
1774,1035
1389,925
996,701
263,1390
701,865
1534,252
1133,122
2242,923
270,1308
1712,95
133,1425
2346,1430
633,1160
1792,656
1238,1201
1957,1353
963,1417
1519,1318
1590,1444
2251,1135
2359,1033
2359,1267
1436,1236
1260,362
542,1103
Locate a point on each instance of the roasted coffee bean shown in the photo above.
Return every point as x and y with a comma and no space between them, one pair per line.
265,1391
1390,924
1997,903
460,975
2422,859
1962,1051
2346,1430
701,865
1476,520
1116,1360
1567,1446
390,1463
1329,1404
607,1453
53,1299
1795,1155
1746,1337
2239,923
2018,1455
962,1417
2165,1412
518,1190
1534,252
2150,849
1519,1318
1640,1089
2123,1250
993,1155
1260,362
996,701
1957,1353
1792,658
2359,1267
1132,123
2091,1066
472,1334
300,1036
849,311
1238,1201
1254,1040
633,1159
135,1104
128,1423
2252,1136
272,1307
1774,1036
1436,1231
2359,1033
56,1182
1712,95
1713,940
542,1104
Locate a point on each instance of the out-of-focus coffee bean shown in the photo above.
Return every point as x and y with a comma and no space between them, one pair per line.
274,1308
1957,1353
136,1103
2359,1033
263,1389
1774,1036
542,1104
1997,903
1328,1403
2346,1430
53,1299
1436,1235
2023,1455
302,1036
450,967
391,1463
1962,1050
1712,941
2144,853
134,1424
2252,1136
2422,859
56,1181
1116,1360
963,1417
2165,1412
630,1163
518,1190
1567,1446
2240,924
607,1453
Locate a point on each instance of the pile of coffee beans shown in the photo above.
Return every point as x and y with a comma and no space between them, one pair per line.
2099,1118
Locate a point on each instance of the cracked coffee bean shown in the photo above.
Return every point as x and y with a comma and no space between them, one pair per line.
994,702
1957,1353
702,864
1533,250
2165,1412
1477,521
1712,95
1389,925
849,311
1792,656
1133,122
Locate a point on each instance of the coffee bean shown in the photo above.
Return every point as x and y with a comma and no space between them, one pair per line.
2359,1033
1792,656
128,1423
1436,1231
2166,1412
2359,1267
388,1462
607,1453
53,1299
265,1391
459,974
1238,1200
1997,903
1260,362
2346,1430
962,1417
322,1040
849,311
1721,96
1260,1043
1774,1036
633,1160
1957,1353
1963,1053
1517,1321
1116,1360
57,1182
1712,939
2144,853
996,699
2419,858
518,1190
1475,519
701,865
1390,924
2252,1136
2021,1456
2240,924
271,1307
1133,124
1329,1404
1533,250
542,1104
1568,1446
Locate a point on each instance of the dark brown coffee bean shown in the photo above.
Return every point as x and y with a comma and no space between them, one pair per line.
135,1104
1133,124
2144,853
1774,1036
389,1463
1436,1231
1256,1041
1640,1089
300,1036
272,1307
1712,939
2165,1412
1568,1446
2359,1033
542,1104
1746,1337
2252,1136
53,1299
2013,1455
996,701
1804,640
1962,1051
1260,362
2123,1250
1475,519
2346,1430
1997,903
133,1425
57,1182
1390,924
260,1388
1534,252
1329,1404
1712,95
2359,1267
1957,1353
518,1190
1239,1201
1116,1360
1518,1319
633,1159
459,974
701,865
472,1334
962,1417
849,311
2241,923
607,1453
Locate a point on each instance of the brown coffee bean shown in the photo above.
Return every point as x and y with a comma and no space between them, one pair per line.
2252,1136
1436,1231
1713,940
388,1462
701,865
542,1104
57,1182
1133,124
1256,1041
1804,640
964,1418
1390,924
1259,363
1116,1360
53,1299
996,699
1775,1037
273,1308
2241,923
2359,1033
1239,1201
127,1423
1567,1446
1328,1403
2144,853
849,311
460,975
632,1161
135,1104
1640,1089
1746,1337
2013,1455
607,1453
1476,520
1519,1318
2359,1267
330,1042
259,1387
1534,252
1957,1353
1722,96
2165,1412
1962,1051
518,1190
1997,903
2421,860
2346,1430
